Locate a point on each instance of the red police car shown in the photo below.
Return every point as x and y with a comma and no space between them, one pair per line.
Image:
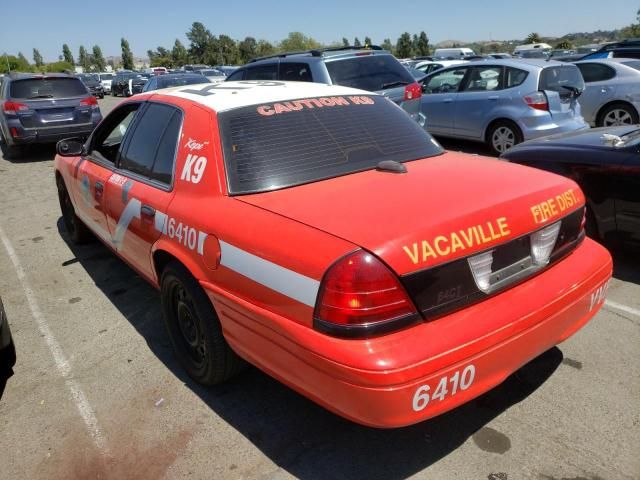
322,235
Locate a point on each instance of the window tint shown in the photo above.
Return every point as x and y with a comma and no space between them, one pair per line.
147,141
108,136
557,78
162,169
47,87
444,82
483,79
239,75
296,72
369,72
515,77
596,72
262,72
267,147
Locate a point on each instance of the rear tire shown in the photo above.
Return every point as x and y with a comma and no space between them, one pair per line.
503,135
617,114
10,152
194,328
77,230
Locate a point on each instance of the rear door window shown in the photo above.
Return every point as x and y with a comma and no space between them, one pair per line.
239,75
47,87
273,146
295,72
368,72
596,72
484,79
562,79
262,72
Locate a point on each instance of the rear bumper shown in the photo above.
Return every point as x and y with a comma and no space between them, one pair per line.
28,136
383,382
541,126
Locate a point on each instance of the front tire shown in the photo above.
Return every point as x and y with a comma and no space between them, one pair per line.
77,230
502,136
194,328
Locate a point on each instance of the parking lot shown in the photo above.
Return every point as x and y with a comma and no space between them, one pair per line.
96,392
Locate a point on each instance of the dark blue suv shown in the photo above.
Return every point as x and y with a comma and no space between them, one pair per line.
44,109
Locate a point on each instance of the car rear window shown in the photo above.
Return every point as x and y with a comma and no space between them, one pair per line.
562,79
164,82
368,72
272,146
47,87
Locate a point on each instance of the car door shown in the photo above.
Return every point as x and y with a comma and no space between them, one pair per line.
480,95
95,168
598,88
628,198
140,190
439,93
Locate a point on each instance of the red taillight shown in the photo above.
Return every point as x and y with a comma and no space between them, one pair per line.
537,100
412,91
359,290
89,101
14,107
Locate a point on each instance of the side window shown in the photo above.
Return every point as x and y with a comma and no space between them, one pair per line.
151,150
515,77
484,79
262,72
595,72
296,72
238,75
445,82
108,136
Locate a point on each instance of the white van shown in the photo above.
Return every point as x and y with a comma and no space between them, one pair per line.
544,47
453,52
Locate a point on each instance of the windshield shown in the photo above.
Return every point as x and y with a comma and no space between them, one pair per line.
369,72
164,82
273,146
106,76
47,87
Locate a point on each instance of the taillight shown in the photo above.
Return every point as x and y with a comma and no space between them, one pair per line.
537,100
358,295
412,91
89,101
14,107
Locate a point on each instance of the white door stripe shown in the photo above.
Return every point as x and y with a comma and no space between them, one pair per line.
62,364
292,284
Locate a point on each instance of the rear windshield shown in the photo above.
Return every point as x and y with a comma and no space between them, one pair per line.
562,79
369,72
212,73
106,76
273,146
47,88
164,82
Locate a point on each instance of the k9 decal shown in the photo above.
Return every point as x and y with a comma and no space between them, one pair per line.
447,386
193,169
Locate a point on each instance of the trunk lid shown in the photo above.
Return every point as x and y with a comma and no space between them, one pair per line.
443,208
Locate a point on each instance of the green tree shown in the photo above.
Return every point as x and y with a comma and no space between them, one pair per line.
227,51
160,58
633,30
127,56
83,59
563,45
404,46
98,59
59,67
296,41
356,42
421,45
248,49
67,55
264,48
179,54
201,41
533,38
23,60
14,64
345,42
386,45
367,42
37,58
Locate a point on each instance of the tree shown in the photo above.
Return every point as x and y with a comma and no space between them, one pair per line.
37,58
160,58
345,42
356,42
386,45
563,45
227,50
15,64
83,59
367,42
23,60
200,40
127,56
264,48
98,59
404,46
421,45
179,54
59,67
533,38
633,30
296,41
248,49
67,55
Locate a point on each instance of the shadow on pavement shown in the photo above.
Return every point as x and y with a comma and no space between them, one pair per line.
300,437
5,375
35,153
626,265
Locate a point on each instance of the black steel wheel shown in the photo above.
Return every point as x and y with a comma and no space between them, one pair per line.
77,230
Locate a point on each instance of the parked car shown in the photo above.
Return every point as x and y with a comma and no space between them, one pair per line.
605,162
7,347
397,282
629,48
106,78
174,80
520,50
500,56
453,53
213,74
93,84
44,109
612,91
226,69
428,66
503,102
371,69
128,83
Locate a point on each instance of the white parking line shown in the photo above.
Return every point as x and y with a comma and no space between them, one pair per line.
623,308
62,364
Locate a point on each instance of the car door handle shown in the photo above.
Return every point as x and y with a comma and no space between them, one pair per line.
148,211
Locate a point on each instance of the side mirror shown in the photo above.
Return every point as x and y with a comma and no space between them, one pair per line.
70,147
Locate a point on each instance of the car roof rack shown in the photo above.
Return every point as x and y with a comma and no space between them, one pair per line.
316,52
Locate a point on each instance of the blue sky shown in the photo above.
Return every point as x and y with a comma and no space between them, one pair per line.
47,24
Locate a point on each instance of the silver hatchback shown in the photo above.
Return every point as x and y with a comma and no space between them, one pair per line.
612,93
503,102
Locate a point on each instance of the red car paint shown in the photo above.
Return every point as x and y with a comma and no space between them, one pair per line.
455,203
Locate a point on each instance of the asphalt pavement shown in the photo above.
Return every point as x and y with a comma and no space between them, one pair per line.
97,394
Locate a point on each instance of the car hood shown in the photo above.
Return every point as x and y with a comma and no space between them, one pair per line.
443,208
589,138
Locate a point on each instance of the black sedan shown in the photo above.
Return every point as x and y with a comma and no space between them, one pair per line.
174,80
7,350
93,84
605,162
